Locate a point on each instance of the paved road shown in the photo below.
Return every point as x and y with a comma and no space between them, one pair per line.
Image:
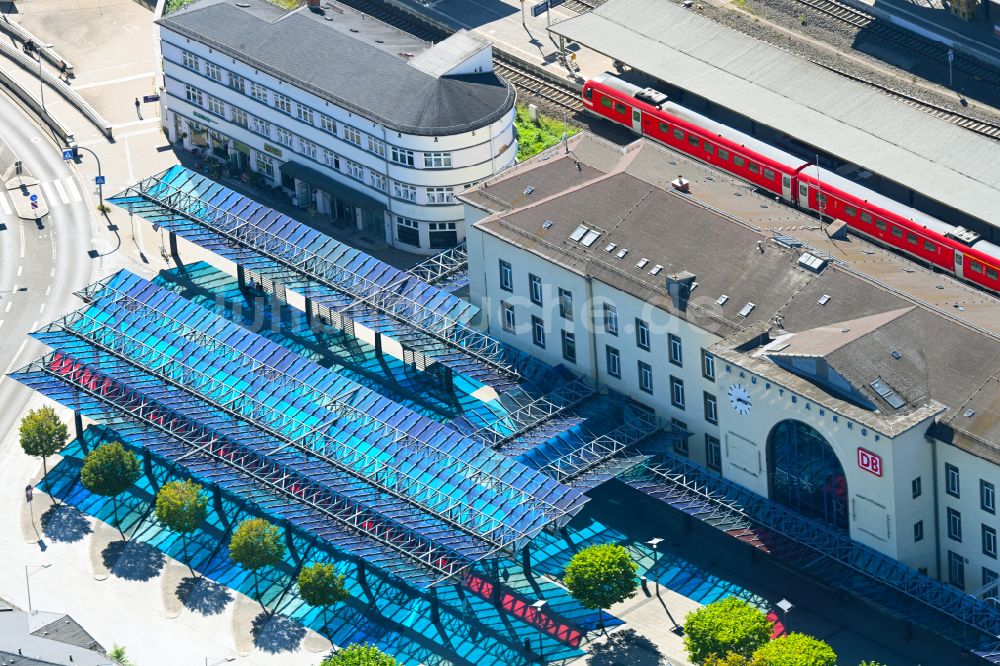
41,264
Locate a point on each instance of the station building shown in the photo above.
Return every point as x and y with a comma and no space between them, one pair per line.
796,374
363,124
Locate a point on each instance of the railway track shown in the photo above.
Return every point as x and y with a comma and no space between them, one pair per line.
524,78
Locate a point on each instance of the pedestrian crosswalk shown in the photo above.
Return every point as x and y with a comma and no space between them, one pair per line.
56,192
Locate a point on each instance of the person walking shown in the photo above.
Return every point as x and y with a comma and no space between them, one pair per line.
138,109
62,71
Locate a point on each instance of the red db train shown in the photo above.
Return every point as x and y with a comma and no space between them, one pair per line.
648,112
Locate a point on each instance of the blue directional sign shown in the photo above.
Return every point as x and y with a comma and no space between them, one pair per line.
98,180
33,197
539,9
67,154
150,98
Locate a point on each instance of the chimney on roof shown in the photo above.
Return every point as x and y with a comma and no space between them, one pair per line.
681,184
679,287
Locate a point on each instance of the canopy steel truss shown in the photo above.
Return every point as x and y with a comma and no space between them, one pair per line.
240,223
598,451
822,552
444,266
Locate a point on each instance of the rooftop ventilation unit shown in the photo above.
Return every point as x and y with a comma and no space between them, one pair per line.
655,270
895,354
963,235
679,286
721,300
747,309
812,263
528,190
621,253
578,233
887,394
547,224
589,238
642,263
609,247
652,96
681,184
824,299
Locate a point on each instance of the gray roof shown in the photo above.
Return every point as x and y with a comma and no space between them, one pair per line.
940,160
351,69
944,365
47,638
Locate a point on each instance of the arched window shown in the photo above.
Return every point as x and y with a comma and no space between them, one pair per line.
805,475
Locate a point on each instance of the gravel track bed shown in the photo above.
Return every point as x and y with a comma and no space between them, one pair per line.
843,36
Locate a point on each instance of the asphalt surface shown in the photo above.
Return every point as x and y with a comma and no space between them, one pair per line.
41,263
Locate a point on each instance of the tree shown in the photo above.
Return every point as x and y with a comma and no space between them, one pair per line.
722,627
795,650
321,585
600,576
109,470
256,544
359,655
731,659
181,506
43,434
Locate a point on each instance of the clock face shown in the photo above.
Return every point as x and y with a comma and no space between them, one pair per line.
739,399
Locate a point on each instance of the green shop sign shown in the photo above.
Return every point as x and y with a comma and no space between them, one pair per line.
202,116
268,148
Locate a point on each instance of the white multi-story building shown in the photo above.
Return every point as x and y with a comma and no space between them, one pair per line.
800,379
365,124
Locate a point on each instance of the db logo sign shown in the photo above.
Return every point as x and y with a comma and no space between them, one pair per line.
869,462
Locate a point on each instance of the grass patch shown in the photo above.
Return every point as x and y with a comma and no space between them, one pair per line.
533,138
174,5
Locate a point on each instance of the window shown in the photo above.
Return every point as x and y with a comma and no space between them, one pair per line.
738,161
190,60
753,168
193,95
569,346
881,225
606,102
645,377
677,392
976,267
443,234
866,217
304,113
918,530
989,577
258,91
307,148
951,480
239,117
897,232
236,82
675,349
216,106
507,316
915,487
355,170
664,128
404,191
991,274
588,93
709,148
681,444
707,365
954,525
619,108
713,453
566,304
440,195
987,496
506,276
678,133
711,408
283,136
614,361
331,159
956,570
538,332
851,211
610,319
265,164
989,541
327,124
723,154
261,126
911,238
352,134
642,334
535,289
929,246
378,181
768,174
693,140
408,231
213,71
283,103
437,160
401,156
376,146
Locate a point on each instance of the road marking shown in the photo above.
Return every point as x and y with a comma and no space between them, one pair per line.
48,290
41,309
22,248
52,272
9,303
71,188
13,360
5,205
19,269
123,79
61,190
1,323
50,194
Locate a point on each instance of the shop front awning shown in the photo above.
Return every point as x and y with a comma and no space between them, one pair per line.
332,186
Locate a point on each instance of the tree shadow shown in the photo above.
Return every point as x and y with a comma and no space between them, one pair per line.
64,523
132,560
203,596
275,633
625,648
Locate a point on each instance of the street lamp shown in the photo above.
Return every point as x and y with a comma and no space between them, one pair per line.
27,581
100,177
653,543
538,606
785,605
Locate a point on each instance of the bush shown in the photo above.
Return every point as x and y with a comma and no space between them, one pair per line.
795,650
722,627
533,138
359,655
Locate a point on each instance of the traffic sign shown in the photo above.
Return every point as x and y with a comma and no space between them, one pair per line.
33,198
98,180
67,154
951,55
34,204
539,9
150,98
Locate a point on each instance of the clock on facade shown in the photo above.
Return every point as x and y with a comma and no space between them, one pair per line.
739,399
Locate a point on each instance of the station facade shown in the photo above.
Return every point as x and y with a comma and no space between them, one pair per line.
856,407
363,125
